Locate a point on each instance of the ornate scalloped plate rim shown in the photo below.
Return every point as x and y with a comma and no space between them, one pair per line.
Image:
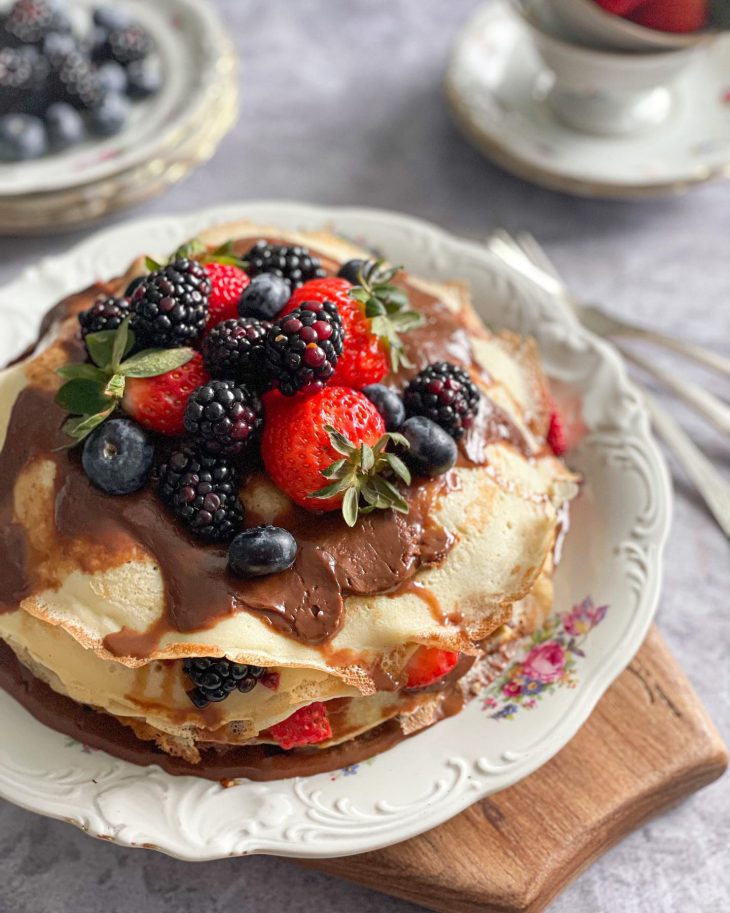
301,818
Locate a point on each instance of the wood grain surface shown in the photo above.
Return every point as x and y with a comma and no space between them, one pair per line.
648,744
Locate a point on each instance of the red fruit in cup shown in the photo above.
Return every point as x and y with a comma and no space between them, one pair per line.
679,16
619,7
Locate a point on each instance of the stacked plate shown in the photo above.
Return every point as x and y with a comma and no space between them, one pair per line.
167,136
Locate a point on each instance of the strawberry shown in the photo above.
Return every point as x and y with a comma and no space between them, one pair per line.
428,665
672,15
373,314
365,358
619,7
305,726
336,436
556,433
227,284
158,403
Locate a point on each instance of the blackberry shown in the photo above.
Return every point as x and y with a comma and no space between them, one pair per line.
444,393
234,349
104,314
223,417
170,307
29,21
215,679
295,264
22,77
125,45
302,347
74,80
202,492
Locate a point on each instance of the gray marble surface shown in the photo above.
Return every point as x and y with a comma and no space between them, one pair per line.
343,104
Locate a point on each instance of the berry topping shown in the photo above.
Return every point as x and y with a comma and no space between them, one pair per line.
227,283
75,80
265,297
223,417
351,271
388,403
444,393
428,665
104,314
215,679
117,457
234,349
144,78
134,285
125,45
111,17
159,403
333,439
111,114
295,264
262,550
302,347
306,726
202,492
556,433
432,451
170,308
91,392
21,75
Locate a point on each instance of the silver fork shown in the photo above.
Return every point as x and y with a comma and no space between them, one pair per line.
525,256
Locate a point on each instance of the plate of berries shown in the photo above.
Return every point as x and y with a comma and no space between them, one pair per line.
91,92
320,525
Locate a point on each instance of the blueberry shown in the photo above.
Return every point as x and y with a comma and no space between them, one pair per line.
109,17
351,270
111,115
112,77
22,137
264,297
145,78
65,125
262,550
388,403
432,450
58,45
133,286
97,43
118,456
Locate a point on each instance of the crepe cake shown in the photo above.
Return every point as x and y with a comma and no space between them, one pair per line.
269,632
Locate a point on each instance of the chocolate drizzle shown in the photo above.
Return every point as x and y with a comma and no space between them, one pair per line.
379,555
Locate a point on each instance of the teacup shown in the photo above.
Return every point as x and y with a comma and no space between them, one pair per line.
598,91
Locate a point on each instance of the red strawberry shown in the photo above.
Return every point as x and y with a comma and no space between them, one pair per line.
672,15
158,403
619,7
305,726
296,446
227,283
556,433
428,665
364,359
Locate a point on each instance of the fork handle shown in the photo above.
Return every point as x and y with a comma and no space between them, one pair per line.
705,357
709,406
707,480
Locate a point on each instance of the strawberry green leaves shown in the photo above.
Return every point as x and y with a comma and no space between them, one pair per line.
91,392
363,476
387,307
196,250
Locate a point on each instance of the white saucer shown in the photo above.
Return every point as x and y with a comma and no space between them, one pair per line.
497,89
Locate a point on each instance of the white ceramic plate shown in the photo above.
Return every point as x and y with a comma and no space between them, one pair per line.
612,558
497,89
196,54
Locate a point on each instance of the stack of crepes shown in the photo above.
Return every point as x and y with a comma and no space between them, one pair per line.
101,598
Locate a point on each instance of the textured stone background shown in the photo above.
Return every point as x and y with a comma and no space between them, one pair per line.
342,104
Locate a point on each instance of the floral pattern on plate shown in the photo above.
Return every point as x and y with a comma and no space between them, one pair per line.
550,662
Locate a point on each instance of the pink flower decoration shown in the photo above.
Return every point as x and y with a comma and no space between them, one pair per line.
512,689
545,662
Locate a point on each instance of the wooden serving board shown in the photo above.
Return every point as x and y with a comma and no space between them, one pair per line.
648,744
